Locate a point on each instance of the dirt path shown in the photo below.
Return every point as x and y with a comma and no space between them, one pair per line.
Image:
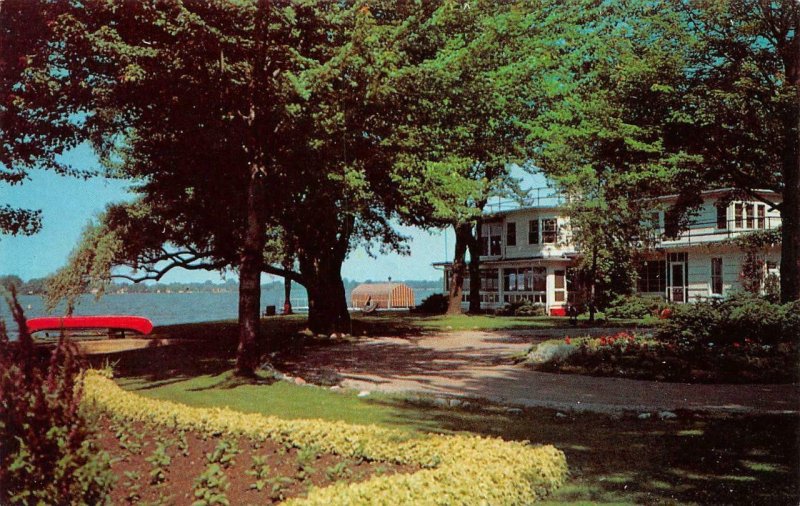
479,364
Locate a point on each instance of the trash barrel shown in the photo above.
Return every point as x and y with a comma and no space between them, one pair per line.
270,311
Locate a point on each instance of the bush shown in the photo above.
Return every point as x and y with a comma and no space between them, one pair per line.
751,317
736,319
521,308
634,306
790,324
700,322
434,304
529,309
47,455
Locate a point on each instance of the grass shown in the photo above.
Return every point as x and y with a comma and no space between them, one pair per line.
489,322
694,459
275,398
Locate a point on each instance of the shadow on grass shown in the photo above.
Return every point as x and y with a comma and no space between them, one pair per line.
210,347
696,458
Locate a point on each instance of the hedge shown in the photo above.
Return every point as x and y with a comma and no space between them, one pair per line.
456,469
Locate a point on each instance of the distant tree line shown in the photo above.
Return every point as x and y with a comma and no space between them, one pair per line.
38,286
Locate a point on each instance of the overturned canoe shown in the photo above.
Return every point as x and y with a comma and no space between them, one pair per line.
138,324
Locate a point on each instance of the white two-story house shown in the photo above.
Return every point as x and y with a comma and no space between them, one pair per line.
527,253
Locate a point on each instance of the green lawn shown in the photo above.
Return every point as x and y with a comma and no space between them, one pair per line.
613,460
491,322
276,398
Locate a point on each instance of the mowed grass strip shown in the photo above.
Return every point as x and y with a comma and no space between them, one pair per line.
277,398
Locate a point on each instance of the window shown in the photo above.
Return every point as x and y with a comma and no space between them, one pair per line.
539,279
511,234
489,281
738,215
762,216
716,276
549,231
525,279
651,277
510,277
491,244
533,232
751,216
722,216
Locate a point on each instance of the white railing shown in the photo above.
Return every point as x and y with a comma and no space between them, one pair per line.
709,231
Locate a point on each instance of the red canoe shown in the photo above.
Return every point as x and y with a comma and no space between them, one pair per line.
138,324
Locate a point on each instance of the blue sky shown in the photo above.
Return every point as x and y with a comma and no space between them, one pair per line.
68,204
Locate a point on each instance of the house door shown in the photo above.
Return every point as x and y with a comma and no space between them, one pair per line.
677,288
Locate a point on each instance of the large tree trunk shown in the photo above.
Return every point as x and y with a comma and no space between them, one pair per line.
475,270
463,236
251,259
327,302
790,208
250,265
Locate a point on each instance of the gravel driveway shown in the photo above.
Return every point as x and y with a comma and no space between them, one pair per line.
480,364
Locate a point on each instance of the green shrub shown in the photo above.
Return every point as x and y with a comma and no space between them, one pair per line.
772,288
634,306
742,317
47,454
699,322
530,309
521,308
434,304
790,323
751,317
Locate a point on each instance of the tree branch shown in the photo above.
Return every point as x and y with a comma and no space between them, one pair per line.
284,273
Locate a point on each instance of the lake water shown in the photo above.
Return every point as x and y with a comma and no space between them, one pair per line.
164,308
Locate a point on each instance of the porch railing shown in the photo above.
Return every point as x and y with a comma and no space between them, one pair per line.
710,231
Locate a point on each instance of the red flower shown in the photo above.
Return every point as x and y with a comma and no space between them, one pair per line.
736,345
567,340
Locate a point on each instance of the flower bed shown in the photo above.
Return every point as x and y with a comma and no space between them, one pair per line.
456,469
162,465
636,356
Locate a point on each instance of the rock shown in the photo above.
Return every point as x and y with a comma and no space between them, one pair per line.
364,393
546,352
667,415
334,336
560,415
336,388
440,401
514,411
299,381
454,403
644,416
